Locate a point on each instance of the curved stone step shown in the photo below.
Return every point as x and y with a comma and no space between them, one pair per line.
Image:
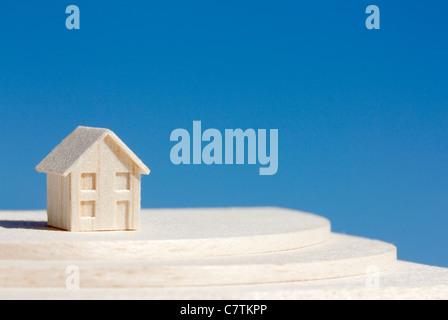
165,234
340,256
405,281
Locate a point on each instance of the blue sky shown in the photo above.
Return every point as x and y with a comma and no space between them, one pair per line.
362,115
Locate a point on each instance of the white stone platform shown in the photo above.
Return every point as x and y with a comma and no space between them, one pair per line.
232,253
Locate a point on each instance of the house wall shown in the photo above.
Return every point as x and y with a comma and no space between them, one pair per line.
58,203
105,190
136,196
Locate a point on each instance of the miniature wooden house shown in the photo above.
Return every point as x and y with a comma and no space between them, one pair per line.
93,182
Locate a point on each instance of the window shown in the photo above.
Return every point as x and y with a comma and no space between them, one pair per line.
88,209
122,214
122,181
88,181
123,208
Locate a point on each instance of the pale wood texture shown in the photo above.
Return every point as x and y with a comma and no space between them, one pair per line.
58,201
165,234
233,253
405,281
340,256
93,183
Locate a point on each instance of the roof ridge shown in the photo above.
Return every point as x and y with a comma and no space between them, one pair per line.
67,154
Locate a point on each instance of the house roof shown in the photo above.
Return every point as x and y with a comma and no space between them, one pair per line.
70,152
